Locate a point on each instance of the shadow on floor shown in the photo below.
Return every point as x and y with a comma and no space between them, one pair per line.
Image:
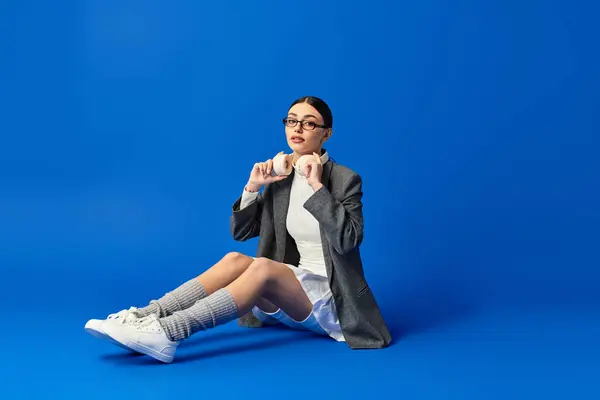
242,340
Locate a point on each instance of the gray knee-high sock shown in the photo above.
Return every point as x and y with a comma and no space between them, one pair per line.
179,299
214,310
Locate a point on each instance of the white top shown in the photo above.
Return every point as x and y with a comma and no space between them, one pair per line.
311,271
301,225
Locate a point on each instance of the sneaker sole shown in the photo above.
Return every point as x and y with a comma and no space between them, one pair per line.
150,352
103,336
114,333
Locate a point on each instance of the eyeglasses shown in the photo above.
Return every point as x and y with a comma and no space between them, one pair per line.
308,125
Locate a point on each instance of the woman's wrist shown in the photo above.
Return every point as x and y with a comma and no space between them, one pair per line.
250,187
316,186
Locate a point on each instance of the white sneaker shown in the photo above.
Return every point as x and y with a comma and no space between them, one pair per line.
97,327
145,336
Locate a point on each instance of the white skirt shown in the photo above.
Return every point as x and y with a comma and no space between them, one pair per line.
323,319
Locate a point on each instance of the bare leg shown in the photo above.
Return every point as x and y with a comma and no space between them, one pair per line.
274,282
225,271
271,281
269,284
266,305
228,269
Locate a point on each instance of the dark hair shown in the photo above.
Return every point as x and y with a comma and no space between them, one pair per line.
320,106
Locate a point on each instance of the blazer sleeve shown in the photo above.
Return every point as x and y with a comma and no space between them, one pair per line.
342,220
245,222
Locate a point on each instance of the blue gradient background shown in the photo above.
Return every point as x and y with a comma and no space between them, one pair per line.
129,128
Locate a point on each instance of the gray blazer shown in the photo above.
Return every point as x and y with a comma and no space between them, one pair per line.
338,208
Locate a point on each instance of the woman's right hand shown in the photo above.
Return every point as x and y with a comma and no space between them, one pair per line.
261,175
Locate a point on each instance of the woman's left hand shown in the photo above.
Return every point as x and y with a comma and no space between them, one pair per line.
313,172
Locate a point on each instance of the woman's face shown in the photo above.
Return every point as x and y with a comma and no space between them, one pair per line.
309,138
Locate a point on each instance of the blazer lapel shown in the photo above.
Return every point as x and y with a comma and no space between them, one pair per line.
281,200
326,174
325,178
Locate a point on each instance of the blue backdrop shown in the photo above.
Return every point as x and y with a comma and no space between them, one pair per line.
129,128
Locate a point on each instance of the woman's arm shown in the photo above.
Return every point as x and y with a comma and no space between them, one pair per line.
246,215
341,220
247,210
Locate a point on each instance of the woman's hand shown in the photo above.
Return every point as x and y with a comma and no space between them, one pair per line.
261,175
313,172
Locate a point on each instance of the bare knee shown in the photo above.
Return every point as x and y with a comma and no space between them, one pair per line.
262,269
237,259
233,256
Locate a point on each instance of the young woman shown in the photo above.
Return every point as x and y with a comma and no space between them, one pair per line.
307,273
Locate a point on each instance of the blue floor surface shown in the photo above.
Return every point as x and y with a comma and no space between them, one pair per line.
526,353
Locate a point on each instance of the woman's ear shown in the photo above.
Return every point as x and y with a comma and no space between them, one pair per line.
327,135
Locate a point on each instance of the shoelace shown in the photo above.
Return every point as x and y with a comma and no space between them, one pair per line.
145,321
118,315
